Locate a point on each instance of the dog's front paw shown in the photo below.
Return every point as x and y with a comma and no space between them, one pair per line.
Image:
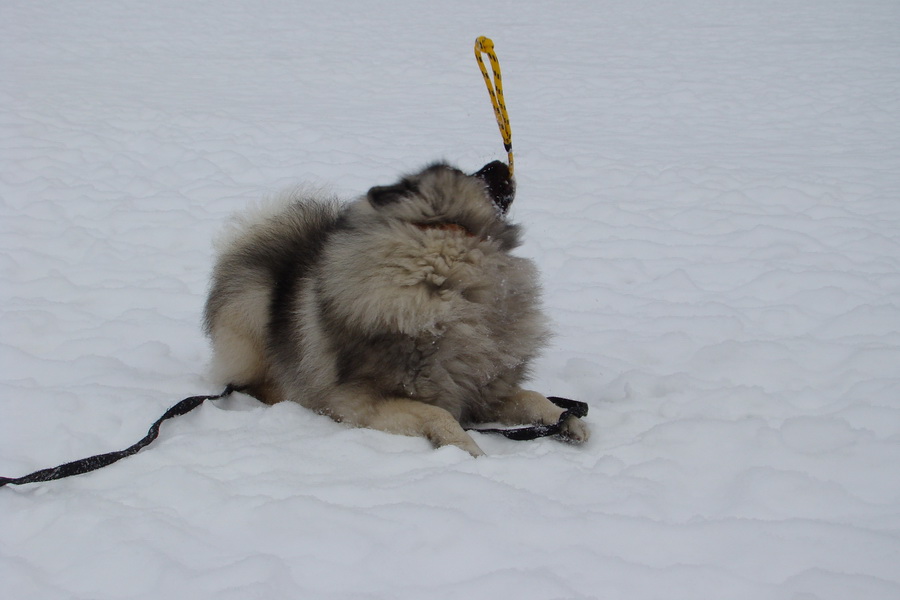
574,431
469,446
449,433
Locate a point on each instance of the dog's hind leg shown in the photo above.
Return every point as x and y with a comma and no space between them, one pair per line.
237,323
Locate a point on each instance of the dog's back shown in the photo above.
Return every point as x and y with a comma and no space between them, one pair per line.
262,255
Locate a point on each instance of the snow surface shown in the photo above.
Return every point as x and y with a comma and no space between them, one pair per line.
711,190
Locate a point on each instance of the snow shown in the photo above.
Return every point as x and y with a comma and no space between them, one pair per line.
709,189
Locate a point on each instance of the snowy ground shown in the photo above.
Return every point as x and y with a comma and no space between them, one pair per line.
712,192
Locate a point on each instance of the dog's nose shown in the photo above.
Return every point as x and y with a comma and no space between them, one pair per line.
501,187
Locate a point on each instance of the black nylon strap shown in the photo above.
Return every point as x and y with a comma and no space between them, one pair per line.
572,408
92,463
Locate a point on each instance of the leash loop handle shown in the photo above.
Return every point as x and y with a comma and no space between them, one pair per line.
571,408
484,45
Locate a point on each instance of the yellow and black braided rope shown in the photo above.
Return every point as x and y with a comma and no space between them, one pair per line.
484,45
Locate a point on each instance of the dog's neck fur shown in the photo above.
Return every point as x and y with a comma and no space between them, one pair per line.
445,227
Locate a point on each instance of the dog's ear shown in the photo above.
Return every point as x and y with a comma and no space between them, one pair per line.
382,195
501,187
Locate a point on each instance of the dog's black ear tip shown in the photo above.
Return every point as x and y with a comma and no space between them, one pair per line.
501,186
382,195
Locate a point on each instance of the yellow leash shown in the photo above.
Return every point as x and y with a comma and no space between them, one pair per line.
484,45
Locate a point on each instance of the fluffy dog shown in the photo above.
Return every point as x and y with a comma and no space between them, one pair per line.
402,311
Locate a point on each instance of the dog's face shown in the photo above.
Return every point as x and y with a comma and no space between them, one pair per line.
442,196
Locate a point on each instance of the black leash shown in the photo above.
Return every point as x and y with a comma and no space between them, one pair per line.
92,463
572,408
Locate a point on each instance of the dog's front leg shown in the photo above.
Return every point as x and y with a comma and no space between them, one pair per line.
411,417
402,416
525,406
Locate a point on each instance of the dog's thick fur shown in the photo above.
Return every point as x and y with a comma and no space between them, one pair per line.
403,311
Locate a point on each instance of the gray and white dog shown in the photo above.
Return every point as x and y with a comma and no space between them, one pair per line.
402,311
